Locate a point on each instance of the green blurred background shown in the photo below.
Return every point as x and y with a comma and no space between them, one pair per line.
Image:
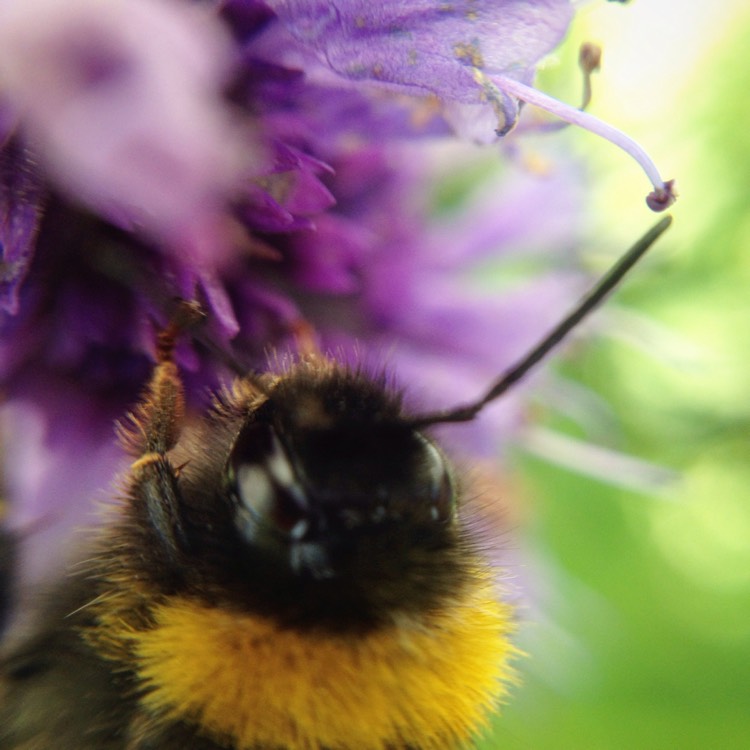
638,617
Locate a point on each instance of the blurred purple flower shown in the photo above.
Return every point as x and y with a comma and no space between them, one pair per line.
235,154
21,196
129,123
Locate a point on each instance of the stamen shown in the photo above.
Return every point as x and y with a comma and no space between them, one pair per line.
663,194
589,61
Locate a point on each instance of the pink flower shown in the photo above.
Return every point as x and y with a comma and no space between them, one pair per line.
122,103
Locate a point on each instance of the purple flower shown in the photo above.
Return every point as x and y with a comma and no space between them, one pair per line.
477,58
129,123
428,48
272,160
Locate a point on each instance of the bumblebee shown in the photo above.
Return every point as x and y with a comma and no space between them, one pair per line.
292,571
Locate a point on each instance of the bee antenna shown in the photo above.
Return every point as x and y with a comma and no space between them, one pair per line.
511,376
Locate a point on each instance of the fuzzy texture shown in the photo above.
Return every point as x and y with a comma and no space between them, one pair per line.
330,225
306,205
428,682
378,627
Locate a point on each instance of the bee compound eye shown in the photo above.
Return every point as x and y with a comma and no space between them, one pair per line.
264,485
438,487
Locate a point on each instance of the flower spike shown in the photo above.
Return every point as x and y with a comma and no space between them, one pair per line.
589,61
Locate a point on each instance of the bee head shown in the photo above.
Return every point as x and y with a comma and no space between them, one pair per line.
310,496
326,467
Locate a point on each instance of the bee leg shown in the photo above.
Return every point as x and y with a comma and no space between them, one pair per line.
154,425
152,429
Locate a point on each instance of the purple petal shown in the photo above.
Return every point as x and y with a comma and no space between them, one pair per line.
428,47
219,305
266,317
263,213
296,185
131,123
53,427
245,17
515,212
21,202
328,258
8,121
